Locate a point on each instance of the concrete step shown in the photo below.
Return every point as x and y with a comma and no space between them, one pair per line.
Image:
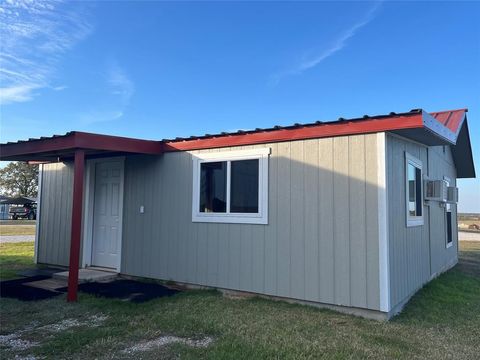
89,275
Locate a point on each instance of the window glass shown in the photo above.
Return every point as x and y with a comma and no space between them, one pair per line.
213,187
412,206
418,192
449,227
231,186
414,192
244,186
448,219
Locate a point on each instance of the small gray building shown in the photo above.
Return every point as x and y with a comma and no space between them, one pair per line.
354,215
4,208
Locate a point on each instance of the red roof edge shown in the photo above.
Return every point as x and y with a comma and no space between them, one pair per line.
84,140
310,131
445,125
64,145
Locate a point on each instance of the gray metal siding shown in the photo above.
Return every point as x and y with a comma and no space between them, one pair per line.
321,243
55,214
415,253
440,165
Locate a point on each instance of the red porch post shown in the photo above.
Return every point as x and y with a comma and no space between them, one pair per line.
76,225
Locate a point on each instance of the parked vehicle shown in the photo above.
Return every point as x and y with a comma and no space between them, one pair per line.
27,211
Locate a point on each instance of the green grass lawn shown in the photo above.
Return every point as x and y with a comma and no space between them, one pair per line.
15,257
441,321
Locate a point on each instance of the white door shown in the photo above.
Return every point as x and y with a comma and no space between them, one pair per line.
107,214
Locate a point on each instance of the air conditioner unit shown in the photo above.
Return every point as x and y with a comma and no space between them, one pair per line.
452,194
436,190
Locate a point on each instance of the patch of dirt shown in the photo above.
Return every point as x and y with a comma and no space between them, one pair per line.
92,321
61,325
237,295
166,340
14,342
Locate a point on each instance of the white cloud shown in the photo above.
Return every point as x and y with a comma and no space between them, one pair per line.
33,37
17,93
336,45
120,83
120,88
59,87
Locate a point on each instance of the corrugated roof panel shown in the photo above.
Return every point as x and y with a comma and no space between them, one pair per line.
452,119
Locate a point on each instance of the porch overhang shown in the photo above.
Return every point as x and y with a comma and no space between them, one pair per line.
63,147
76,146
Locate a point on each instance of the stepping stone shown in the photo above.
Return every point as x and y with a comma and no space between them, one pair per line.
51,284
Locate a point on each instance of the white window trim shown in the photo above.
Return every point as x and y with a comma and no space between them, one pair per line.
413,220
236,218
448,208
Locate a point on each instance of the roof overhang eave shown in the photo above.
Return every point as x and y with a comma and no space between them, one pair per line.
64,147
463,155
433,133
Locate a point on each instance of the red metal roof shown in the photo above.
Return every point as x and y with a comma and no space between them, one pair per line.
341,127
437,128
452,119
446,127
340,120
63,147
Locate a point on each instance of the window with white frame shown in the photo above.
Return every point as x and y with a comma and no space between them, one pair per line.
414,190
231,186
448,219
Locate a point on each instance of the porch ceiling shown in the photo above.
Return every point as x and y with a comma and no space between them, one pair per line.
63,147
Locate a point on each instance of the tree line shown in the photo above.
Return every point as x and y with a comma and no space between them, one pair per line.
19,179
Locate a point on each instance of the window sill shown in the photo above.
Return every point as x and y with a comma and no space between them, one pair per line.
449,245
230,219
414,222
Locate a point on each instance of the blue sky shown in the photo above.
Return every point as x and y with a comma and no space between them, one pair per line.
158,70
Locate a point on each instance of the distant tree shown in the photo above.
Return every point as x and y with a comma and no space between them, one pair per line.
19,179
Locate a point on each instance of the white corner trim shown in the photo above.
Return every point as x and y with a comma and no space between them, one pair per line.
383,251
39,205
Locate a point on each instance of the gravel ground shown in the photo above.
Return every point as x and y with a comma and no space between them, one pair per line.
16,238
165,340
